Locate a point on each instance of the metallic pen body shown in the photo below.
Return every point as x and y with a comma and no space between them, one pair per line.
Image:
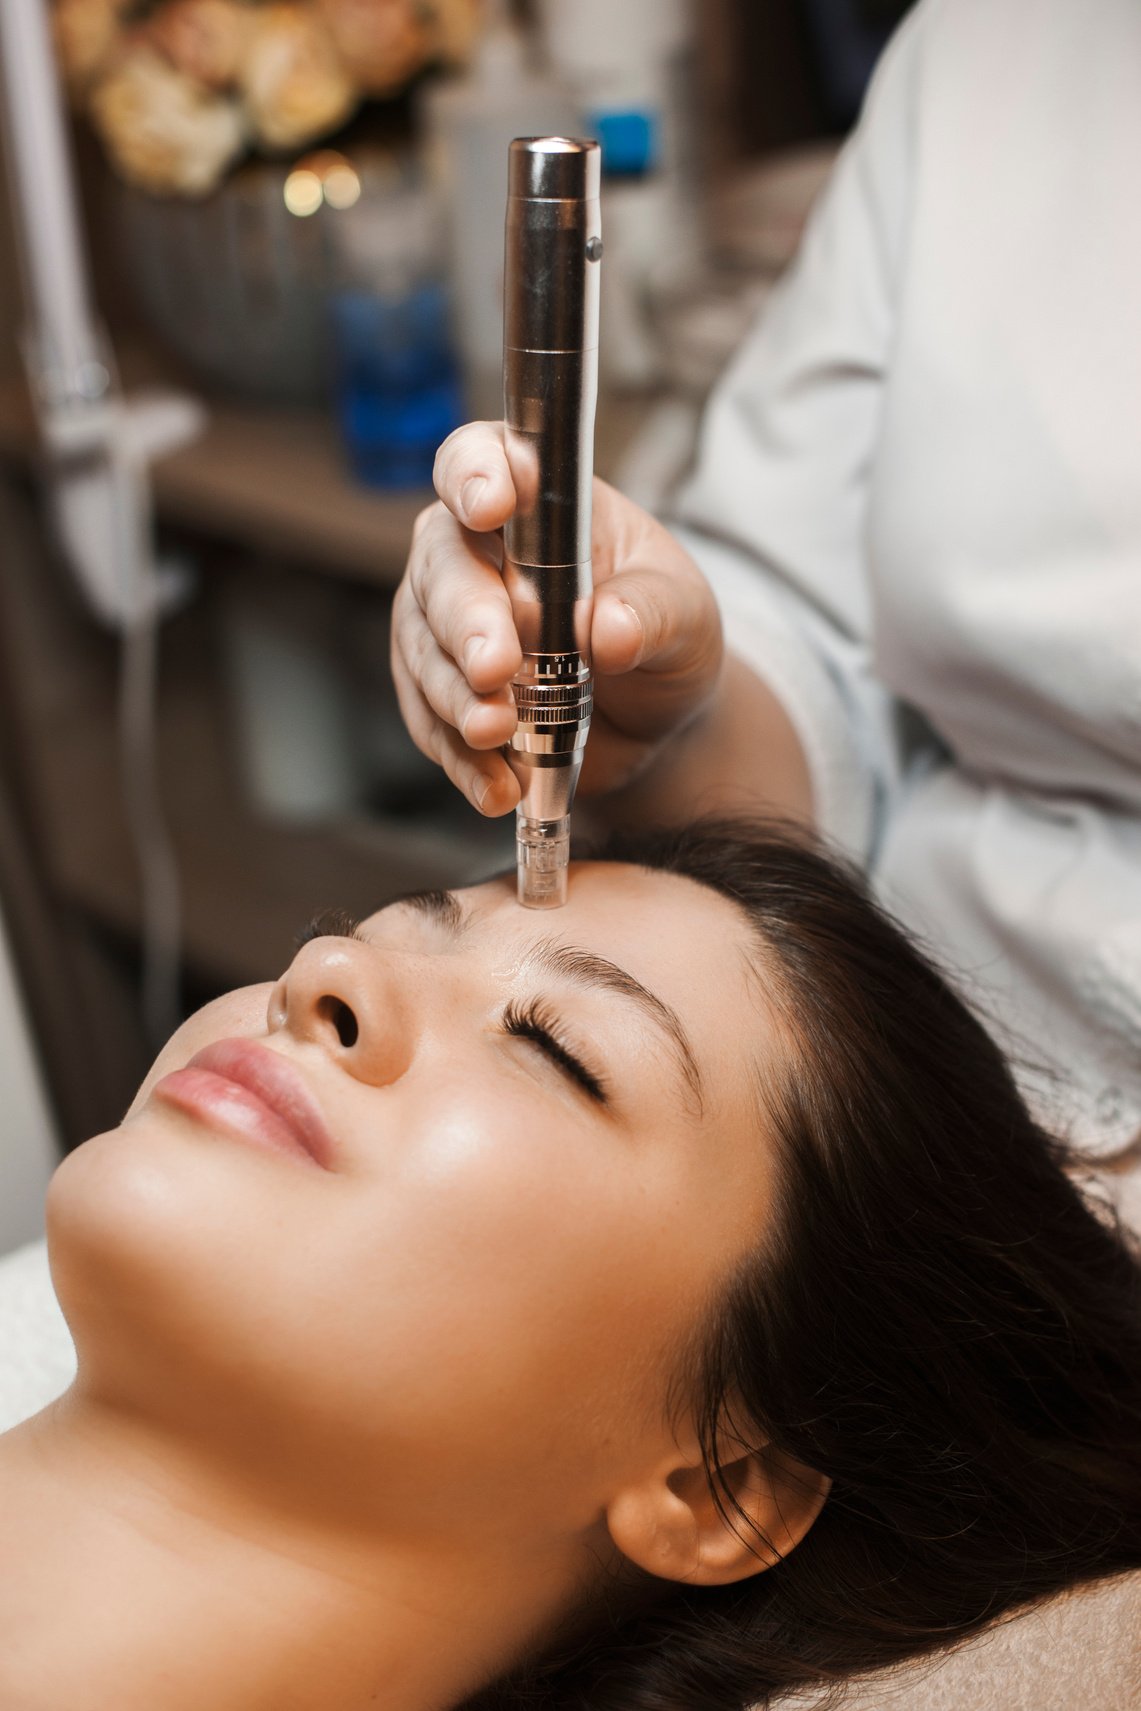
550,388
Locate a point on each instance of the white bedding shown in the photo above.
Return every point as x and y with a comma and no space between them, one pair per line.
37,1356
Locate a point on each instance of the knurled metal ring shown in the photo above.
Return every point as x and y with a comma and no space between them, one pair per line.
545,697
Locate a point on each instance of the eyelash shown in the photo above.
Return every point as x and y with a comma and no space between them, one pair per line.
530,1021
533,1021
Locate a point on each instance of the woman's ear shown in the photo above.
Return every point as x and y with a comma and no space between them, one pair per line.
671,1525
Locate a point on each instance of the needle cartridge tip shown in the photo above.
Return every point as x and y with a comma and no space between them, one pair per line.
542,851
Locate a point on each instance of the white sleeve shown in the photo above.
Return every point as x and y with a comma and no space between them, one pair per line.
776,511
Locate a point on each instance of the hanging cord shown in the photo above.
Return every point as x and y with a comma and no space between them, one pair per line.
139,759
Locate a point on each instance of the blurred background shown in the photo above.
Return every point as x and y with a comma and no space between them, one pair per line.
238,312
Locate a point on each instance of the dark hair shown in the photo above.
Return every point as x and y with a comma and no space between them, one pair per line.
937,1319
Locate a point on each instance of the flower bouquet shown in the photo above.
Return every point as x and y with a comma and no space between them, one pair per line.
181,90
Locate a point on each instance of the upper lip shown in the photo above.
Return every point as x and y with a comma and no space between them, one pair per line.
276,1083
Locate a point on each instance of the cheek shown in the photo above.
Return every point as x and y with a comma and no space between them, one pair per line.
524,1270
498,1282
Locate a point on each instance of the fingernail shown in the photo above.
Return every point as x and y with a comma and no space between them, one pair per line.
470,492
473,650
481,786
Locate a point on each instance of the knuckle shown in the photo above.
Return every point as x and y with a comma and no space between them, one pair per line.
403,606
428,567
656,615
418,730
457,704
452,765
460,706
426,527
445,459
437,748
421,648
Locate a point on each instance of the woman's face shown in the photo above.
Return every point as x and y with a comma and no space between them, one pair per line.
544,1155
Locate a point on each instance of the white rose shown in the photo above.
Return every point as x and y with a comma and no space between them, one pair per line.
206,39
164,132
382,43
295,86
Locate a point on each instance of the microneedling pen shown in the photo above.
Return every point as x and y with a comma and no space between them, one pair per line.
550,387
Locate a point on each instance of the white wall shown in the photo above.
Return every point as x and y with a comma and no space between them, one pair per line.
29,1148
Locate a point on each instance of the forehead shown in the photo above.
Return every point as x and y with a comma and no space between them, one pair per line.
682,940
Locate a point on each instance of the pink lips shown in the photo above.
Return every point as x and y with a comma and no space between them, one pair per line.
248,1090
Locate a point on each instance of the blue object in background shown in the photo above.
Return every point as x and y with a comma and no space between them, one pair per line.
397,386
630,143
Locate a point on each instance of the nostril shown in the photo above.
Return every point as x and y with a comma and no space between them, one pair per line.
335,1010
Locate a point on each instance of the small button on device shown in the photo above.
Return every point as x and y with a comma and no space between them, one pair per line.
594,249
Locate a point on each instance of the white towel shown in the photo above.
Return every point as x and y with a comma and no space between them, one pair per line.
37,1355
1079,1652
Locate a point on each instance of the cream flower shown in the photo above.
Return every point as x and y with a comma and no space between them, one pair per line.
206,39
382,43
164,132
294,83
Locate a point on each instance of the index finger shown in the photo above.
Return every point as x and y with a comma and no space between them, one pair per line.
473,477
457,586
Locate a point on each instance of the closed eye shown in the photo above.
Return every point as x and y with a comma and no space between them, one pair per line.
534,1022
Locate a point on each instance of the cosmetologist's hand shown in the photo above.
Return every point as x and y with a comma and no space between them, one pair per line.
655,636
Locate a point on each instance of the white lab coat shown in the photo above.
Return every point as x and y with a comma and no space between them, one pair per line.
918,495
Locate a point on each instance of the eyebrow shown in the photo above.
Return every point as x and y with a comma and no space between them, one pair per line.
587,969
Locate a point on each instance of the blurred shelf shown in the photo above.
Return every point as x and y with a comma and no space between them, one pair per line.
274,479
250,883
269,479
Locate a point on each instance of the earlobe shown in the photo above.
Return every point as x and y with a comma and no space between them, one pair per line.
672,1526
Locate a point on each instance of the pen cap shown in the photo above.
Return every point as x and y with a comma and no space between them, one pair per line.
550,349
553,229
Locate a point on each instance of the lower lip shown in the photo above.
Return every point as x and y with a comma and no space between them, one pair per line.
232,1109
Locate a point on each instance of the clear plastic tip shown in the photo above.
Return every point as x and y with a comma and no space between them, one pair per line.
542,852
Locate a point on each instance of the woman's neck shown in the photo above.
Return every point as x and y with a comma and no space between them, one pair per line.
129,1581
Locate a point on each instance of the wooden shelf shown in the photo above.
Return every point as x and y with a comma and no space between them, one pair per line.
272,480
275,480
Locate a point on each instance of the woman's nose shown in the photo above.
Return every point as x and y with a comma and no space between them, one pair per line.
347,998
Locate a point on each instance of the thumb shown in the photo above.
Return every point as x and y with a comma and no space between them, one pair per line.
664,623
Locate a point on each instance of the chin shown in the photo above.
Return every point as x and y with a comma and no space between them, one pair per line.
129,1234
174,1260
